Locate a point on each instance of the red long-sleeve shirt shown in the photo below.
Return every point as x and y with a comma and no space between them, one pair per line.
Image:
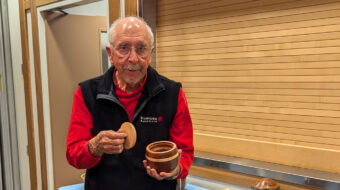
81,123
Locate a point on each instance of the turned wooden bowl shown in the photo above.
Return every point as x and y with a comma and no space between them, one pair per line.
162,156
265,184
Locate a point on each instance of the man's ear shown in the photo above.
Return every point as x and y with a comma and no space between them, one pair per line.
109,53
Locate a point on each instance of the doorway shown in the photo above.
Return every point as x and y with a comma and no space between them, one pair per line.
69,47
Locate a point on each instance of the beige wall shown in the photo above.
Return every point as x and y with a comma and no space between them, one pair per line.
261,77
73,55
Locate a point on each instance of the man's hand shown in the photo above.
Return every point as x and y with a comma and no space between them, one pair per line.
108,142
163,175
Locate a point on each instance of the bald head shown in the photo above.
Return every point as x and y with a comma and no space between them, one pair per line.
129,24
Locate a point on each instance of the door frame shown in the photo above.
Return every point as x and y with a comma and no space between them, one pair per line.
47,136
38,66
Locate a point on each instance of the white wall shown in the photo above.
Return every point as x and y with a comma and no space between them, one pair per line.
15,38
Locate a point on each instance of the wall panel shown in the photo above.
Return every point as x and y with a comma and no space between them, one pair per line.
261,77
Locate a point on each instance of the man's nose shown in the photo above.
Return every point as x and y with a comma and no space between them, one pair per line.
133,57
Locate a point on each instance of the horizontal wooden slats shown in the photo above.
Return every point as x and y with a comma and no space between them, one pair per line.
308,20
268,72
255,9
267,97
278,91
261,79
202,6
177,4
279,46
263,85
271,138
282,153
294,59
215,12
268,133
330,130
263,115
253,67
309,40
269,104
231,35
260,73
286,111
275,17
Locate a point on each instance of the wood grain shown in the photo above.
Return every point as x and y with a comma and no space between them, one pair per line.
258,75
130,7
114,10
39,95
28,96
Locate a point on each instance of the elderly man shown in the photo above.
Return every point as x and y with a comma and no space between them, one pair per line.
129,91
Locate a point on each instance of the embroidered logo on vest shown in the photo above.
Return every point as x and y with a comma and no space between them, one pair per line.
151,119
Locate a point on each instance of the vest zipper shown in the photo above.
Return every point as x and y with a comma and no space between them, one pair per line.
111,98
156,91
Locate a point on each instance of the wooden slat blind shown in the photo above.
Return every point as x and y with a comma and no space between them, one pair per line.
262,77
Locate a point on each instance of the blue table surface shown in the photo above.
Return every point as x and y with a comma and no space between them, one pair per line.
80,186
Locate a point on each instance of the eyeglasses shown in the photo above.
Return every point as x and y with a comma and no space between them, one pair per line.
124,50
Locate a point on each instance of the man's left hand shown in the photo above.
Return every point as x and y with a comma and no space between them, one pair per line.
162,175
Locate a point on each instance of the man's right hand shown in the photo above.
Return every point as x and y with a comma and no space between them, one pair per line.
108,142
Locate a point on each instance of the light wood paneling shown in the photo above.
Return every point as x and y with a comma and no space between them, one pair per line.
261,77
255,9
114,10
27,4
130,7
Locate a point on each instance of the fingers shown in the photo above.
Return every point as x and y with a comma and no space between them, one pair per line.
170,174
180,152
116,149
113,134
110,142
153,173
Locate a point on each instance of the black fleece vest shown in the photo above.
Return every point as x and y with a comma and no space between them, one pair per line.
152,119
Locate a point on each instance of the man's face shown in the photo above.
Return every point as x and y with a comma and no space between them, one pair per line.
131,51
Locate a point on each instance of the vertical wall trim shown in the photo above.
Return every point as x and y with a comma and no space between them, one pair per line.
115,10
40,109
130,7
148,11
137,1
28,96
45,89
34,97
122,8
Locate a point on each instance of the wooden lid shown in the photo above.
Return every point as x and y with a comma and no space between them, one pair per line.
130,131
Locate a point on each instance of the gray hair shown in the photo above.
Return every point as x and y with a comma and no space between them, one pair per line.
112,30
